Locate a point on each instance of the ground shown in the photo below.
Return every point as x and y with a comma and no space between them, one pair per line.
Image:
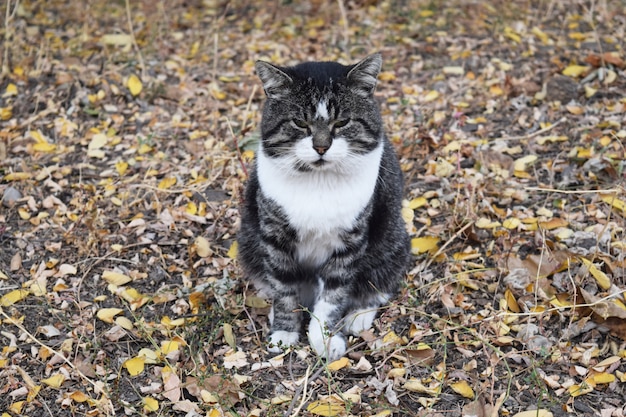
128,128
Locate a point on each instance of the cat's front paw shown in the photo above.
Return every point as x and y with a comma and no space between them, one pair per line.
359,321
329,347
281,339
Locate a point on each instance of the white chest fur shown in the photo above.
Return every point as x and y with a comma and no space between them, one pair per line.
321,204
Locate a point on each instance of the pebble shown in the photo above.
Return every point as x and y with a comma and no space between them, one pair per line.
10,196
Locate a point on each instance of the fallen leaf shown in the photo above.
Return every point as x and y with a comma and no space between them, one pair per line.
115,278
55,381
107,314
338,364
134,85
135,365
13,297
325,408
462,388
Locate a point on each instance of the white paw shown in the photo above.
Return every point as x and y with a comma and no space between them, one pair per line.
359,320
281,339
329,347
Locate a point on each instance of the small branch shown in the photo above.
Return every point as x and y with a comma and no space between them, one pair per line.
135,45
344,22
538,132
239,156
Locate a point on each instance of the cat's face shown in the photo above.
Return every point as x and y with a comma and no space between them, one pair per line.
320,116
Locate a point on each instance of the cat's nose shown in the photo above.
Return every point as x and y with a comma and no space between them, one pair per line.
321,150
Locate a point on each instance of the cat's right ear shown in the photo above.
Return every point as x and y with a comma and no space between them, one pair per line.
275,82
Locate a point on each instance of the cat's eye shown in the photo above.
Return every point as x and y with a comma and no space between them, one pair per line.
341,123
301,123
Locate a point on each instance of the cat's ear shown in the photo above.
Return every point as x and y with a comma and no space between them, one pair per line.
275,81
362,77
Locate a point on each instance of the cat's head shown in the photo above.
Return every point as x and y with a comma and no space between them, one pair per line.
320,115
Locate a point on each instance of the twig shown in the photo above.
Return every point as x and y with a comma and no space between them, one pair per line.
239,156
7,35
344,22
536,133
135,45
303,389
553,190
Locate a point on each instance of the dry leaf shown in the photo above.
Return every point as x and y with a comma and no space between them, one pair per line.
134,85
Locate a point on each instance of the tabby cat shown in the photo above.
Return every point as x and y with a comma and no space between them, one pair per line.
321,230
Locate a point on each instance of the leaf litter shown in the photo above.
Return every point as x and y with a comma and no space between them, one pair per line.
122,160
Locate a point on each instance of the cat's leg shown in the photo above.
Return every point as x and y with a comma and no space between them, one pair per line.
362,318
325,339
285,321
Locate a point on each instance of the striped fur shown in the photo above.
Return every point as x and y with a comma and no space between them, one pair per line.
321,231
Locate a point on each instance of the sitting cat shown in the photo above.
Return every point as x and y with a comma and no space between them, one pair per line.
321,230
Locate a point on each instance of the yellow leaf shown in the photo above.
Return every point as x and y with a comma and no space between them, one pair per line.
407,215
325,408
554,223
233,251
169,346
511,34
135,366
10,91
16,407
115,278
150,404
424,244
117,39
426,13
577,390
417,203
229,336
522,163
256,302
44,147
79,397
167,182
55,381
603,378
17,176
575,71
534,413
545,39
511,223
608,361
485,223
97,141
432,95
386,76
456,70
124,323
107,314
603,281
338,364
6,112
202,247
496,90
462,388
191,208
134,85
149,355
121,167
13,297
614,201
511,302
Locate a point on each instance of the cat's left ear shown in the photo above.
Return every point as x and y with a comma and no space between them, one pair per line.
275,82
362,77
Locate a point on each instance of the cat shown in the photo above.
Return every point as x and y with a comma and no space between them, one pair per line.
321,230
